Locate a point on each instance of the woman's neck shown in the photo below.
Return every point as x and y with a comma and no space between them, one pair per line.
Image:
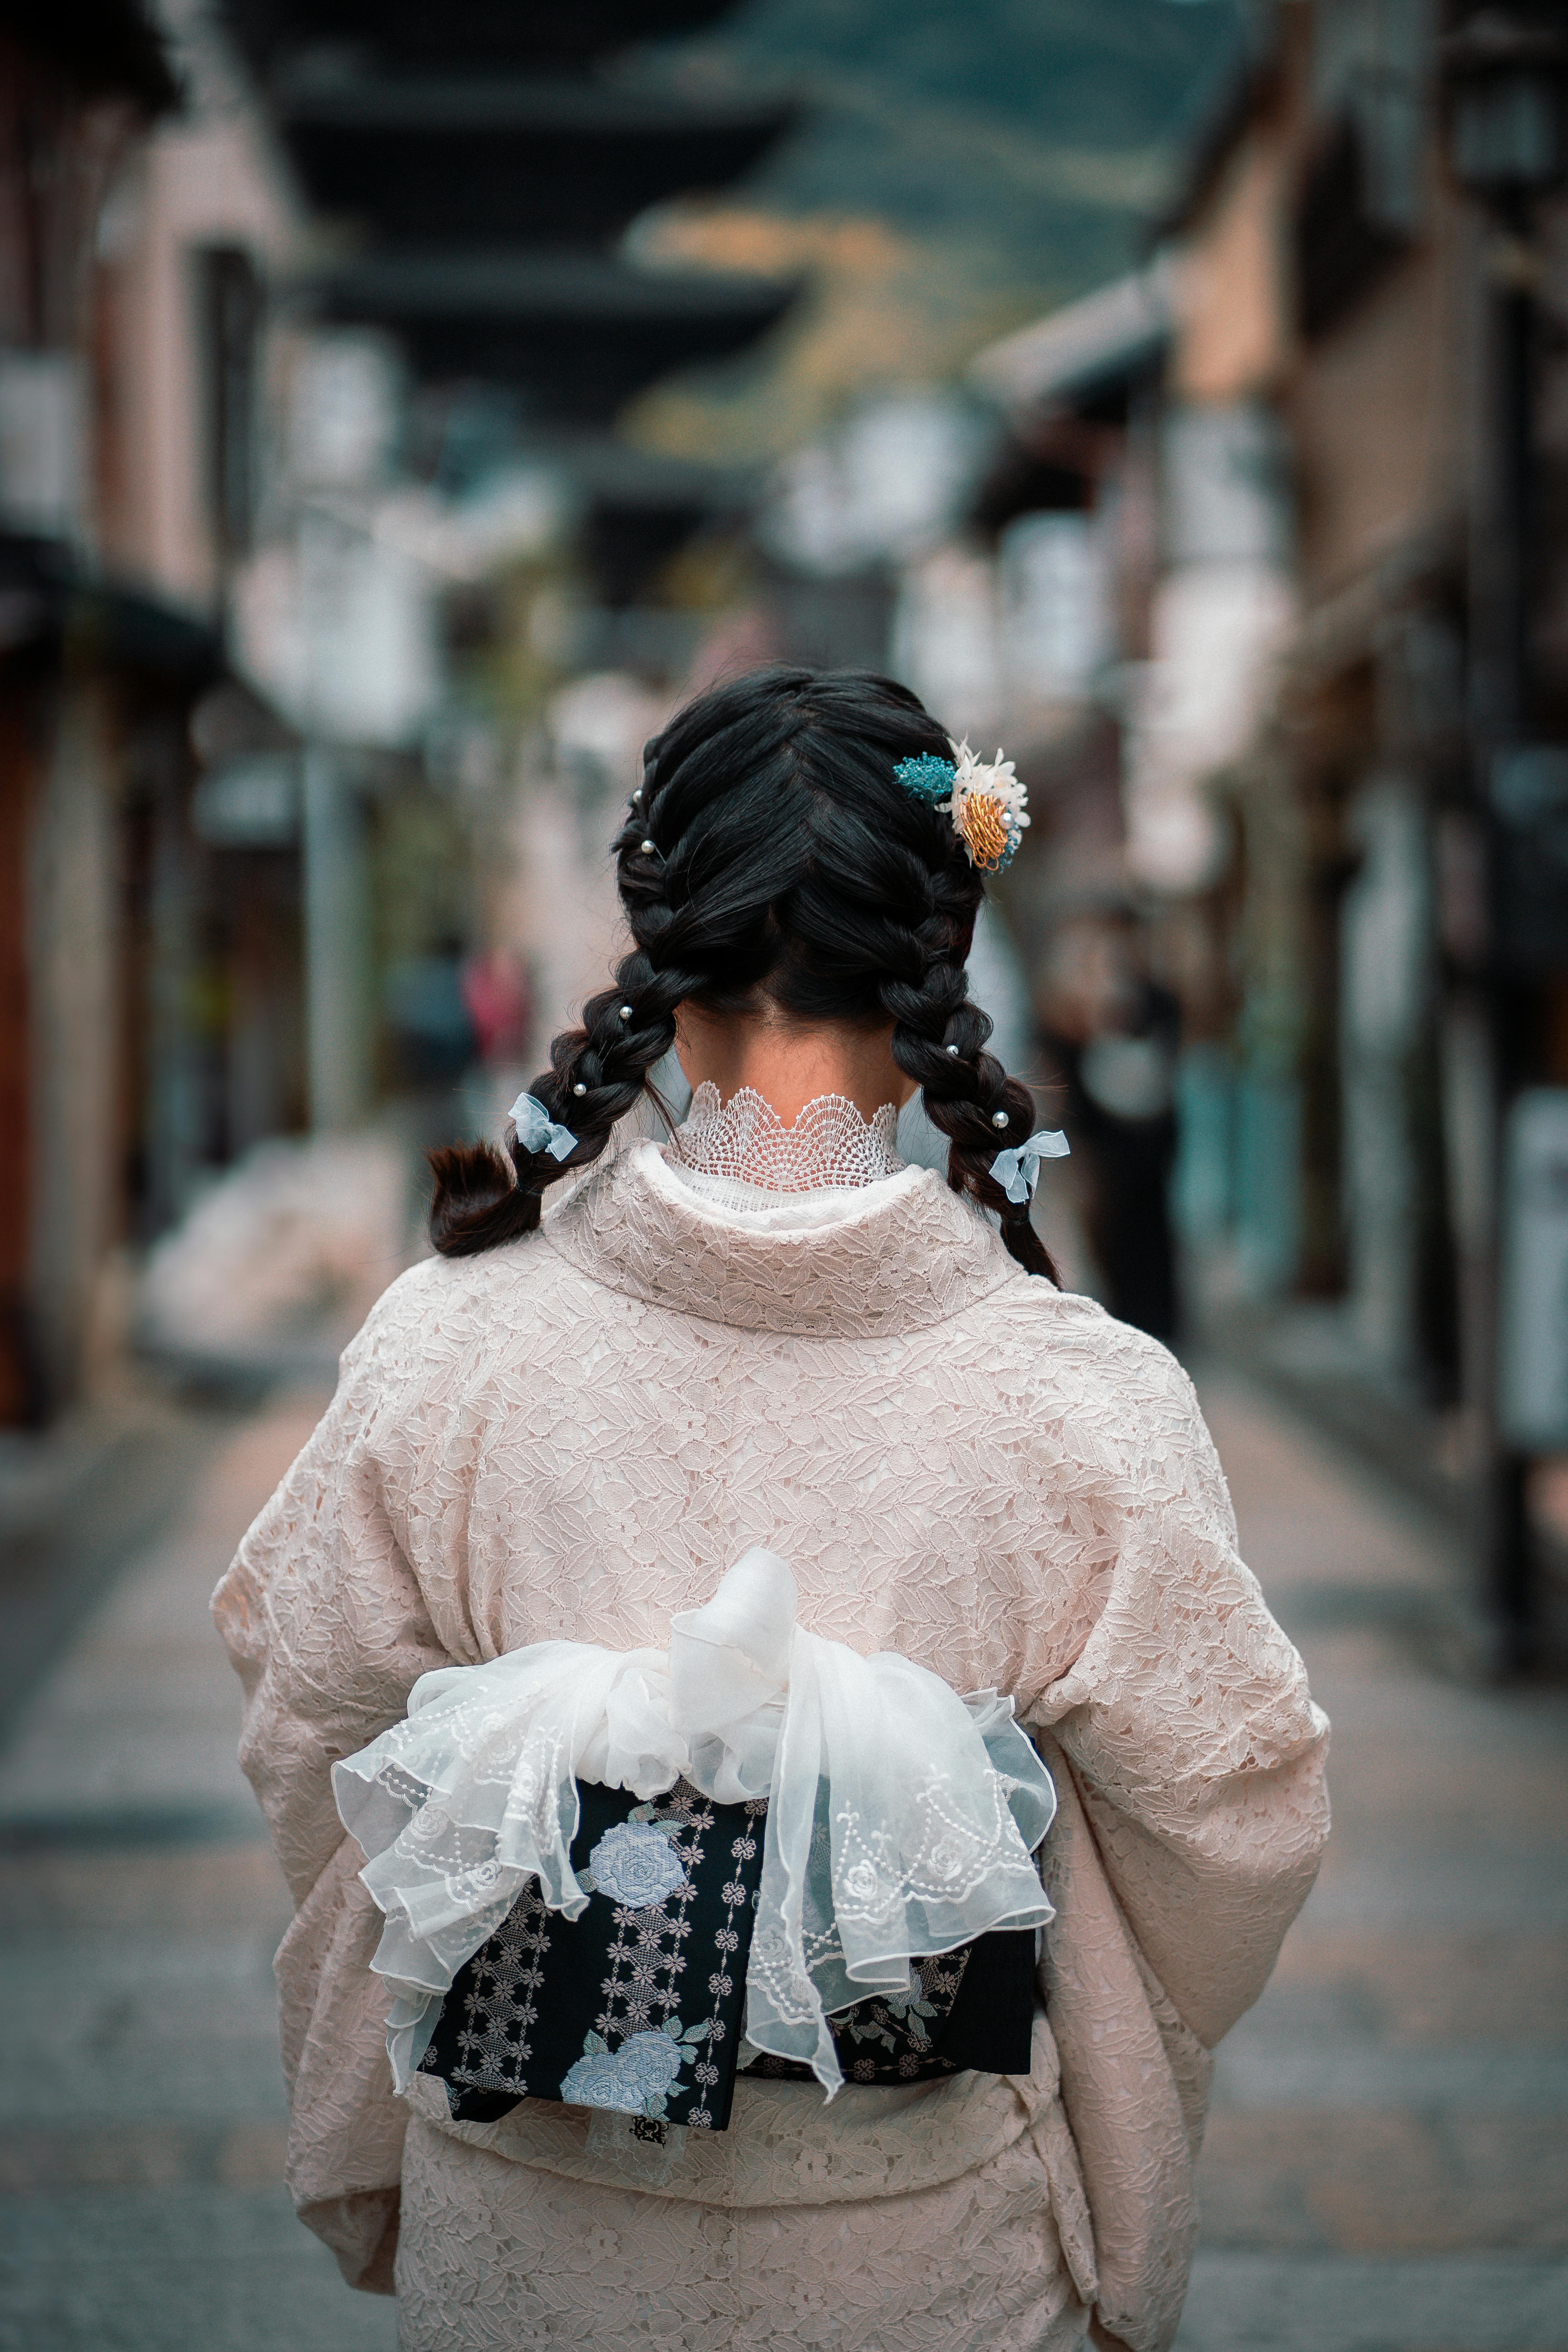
788,1065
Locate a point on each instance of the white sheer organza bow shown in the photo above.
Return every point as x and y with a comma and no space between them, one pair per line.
901,1818
1019,1170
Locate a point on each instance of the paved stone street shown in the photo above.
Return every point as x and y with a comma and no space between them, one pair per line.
1387,2165
141,2141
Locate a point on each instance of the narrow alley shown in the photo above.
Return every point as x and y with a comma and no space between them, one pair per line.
1386,2168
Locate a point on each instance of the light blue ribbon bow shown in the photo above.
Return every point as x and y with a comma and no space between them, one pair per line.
537,1131
1019,1170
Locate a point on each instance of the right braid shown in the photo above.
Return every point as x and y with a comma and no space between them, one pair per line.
939,1040
770,857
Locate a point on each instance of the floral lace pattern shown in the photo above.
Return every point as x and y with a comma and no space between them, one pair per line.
571,1438
741,1155
976,2267
901,1255
634,1863
634,2006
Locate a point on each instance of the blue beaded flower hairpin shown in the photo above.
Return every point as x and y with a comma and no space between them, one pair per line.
987,804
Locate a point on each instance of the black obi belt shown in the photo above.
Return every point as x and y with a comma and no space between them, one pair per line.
636,2005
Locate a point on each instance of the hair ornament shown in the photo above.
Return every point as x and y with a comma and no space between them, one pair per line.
988,806
1019,1170
537,1131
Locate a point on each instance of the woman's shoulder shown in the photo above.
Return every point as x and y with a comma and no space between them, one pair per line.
1099,1392
1066,1336
441,1309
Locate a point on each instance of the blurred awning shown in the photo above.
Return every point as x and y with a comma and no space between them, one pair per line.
107,47
1082,350
581,333
564,160
640,508
49,604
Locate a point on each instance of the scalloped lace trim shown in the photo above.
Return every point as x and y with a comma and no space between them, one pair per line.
741,1155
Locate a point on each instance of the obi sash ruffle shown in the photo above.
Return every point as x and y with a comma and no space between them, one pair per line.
900,1818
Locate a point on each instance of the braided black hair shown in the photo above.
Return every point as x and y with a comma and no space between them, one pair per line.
769,854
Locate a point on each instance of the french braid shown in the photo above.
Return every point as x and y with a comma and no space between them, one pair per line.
770,855
939,1040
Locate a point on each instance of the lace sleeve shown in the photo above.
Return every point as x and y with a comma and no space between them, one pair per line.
1189,1761
1197,1753
326,1625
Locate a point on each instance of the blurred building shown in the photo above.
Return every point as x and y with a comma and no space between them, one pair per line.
314,322
135,209
1322,444
462,534
1340,299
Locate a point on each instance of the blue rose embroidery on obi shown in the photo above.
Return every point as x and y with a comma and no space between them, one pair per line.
635,2079
634,1863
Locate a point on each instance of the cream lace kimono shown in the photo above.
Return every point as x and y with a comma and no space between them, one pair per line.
574,1437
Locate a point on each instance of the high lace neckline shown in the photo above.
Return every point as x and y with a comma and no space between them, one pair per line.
846,1263
741,1155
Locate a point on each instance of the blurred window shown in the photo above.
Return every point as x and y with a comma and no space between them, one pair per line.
1362,195
41,469
1372,64
230,301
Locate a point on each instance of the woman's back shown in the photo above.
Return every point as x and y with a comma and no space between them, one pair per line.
575,1438
570,1431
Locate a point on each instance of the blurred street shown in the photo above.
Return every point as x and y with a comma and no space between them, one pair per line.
1386,2168
144,2118
402,413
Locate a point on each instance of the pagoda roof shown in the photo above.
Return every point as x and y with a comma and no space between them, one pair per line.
107,47
580,333
386,31
561,161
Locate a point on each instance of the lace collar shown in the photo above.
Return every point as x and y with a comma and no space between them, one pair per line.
741,1155
898,1256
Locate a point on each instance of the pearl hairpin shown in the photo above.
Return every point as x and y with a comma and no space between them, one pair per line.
648,847
998,1119
625,1012
579,1088
953,1049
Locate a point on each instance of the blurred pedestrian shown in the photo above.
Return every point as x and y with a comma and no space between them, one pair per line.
1109,1034
630,1585
498,996
429,1024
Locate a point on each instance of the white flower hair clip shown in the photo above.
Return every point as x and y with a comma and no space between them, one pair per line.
988,806
537,1131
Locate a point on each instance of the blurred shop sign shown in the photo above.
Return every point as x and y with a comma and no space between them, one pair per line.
599,724
1054,595
1216,629
946,642
1530,800
40,442
1533,1383
890,483
1224,605
250,803
339,631
345,411
1226,479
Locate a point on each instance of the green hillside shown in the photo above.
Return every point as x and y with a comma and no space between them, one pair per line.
1042,128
